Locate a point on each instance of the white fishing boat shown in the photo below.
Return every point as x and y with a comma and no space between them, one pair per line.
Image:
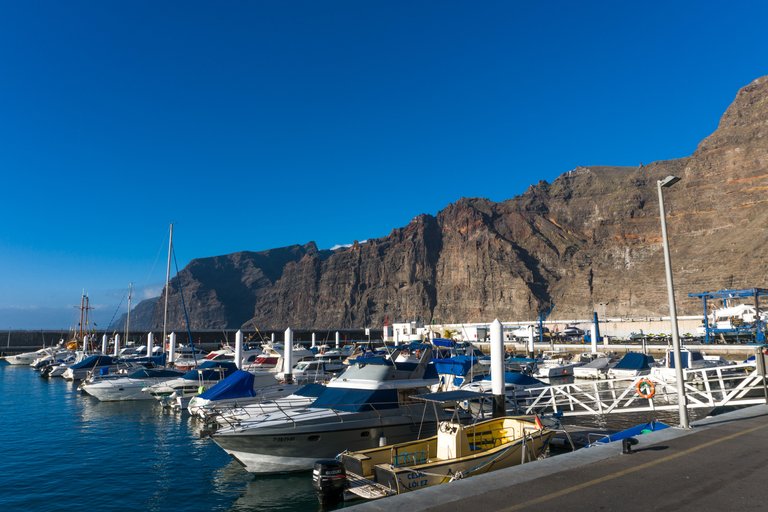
457,451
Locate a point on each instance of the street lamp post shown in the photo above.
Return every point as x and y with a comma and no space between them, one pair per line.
682,403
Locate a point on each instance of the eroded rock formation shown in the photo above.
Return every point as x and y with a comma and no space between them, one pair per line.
591,237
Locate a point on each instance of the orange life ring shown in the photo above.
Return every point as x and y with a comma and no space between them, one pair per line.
645,388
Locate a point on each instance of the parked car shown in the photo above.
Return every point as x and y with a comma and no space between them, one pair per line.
573,331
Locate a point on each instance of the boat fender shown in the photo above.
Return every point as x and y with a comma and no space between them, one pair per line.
646,388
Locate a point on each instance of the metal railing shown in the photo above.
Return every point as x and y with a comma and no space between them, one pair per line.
733,385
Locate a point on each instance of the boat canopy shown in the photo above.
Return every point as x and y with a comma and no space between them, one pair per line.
442,342
94,361
237,385
634,361
211,370
356,400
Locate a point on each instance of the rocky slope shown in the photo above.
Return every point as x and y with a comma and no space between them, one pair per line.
591,237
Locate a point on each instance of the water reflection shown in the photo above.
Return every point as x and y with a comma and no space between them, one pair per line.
288,492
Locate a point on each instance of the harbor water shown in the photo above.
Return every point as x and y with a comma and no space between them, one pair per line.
64,450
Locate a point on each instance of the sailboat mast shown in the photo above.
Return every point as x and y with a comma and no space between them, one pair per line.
167,280
82,310
128,318
84,328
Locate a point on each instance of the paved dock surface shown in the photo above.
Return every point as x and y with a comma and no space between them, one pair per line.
721,464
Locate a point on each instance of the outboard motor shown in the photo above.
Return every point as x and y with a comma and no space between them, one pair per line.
329,480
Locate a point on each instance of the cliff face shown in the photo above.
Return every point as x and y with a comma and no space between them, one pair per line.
591,237
222,291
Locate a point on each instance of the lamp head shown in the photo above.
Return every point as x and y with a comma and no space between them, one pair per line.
668,181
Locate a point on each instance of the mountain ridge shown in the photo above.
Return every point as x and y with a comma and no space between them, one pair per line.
590,237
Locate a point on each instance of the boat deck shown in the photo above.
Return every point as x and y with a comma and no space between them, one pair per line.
717,465
362,488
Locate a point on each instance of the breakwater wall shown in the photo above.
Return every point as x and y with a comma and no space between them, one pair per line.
14,342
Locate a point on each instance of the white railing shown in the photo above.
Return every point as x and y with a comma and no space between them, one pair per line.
733,385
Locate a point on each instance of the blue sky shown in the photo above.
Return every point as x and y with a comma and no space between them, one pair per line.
256,124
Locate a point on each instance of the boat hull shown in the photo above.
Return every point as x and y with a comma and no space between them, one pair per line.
296,448
418,477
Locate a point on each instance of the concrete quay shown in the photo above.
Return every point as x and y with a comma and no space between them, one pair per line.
719,464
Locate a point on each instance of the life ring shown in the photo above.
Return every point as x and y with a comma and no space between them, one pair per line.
646,388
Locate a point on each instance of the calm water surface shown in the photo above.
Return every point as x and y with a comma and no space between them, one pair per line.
68,451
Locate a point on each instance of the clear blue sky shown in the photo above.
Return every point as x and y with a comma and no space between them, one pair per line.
256,124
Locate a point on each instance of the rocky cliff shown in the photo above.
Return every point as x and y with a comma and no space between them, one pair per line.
591,237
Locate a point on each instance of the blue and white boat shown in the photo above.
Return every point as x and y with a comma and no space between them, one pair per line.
633,364
191,383
454,372
369,402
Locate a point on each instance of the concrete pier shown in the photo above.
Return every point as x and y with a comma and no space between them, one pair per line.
717,465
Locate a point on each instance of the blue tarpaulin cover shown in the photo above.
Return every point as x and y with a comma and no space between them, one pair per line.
634,431
312,389
634,361
237,385
457,365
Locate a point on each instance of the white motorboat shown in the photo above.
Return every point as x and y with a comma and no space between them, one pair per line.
245,410
271,356
595,369
27,358
554,364
517,391
690,359
91,364
370,400
129,387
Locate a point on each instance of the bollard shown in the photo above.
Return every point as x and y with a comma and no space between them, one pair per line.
627,444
